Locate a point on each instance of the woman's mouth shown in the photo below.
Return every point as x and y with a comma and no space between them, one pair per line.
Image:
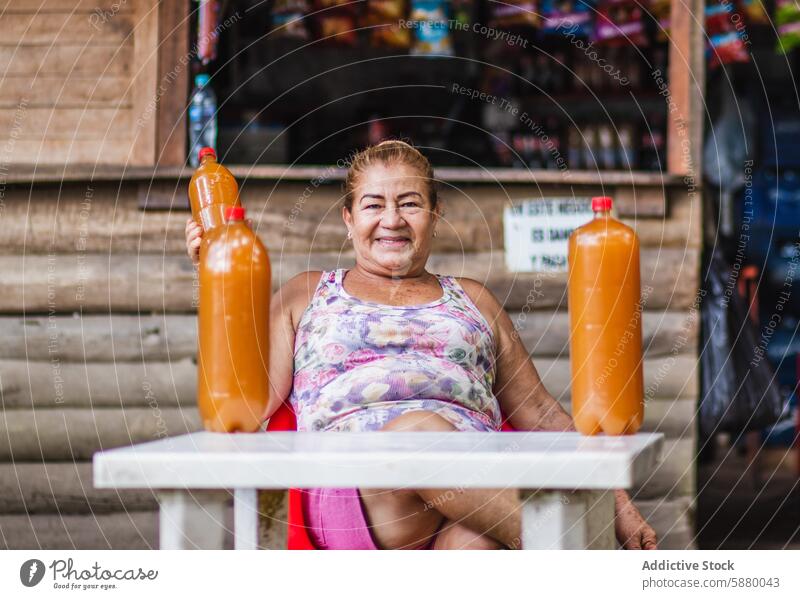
393,242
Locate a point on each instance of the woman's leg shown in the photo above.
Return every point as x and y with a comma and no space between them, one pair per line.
407,518
457,536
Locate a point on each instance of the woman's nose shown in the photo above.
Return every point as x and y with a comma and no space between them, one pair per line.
391,218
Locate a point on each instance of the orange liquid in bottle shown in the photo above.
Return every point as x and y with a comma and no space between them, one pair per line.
212,189
233,326
605,325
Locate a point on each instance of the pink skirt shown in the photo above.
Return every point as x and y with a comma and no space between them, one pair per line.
336,520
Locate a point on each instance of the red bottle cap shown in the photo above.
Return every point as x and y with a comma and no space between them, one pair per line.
601,204
234,213
206,151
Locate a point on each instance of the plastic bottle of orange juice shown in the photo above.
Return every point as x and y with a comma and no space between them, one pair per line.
212,189
233,327
605,325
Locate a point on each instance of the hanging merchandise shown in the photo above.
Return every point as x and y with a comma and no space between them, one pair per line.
787,19
659,10
432,33
384,18
568,17
515,13
620,23
335,21
207,30
728,143
289,19
725,44
739,393
754,12
462,12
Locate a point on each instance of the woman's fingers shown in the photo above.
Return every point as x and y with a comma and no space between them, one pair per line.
194,234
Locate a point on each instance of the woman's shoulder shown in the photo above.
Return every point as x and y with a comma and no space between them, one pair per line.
490,307
480,295
296,293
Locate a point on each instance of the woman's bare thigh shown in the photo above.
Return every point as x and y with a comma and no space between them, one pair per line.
402,519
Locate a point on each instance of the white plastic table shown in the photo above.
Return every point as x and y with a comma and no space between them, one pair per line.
566,480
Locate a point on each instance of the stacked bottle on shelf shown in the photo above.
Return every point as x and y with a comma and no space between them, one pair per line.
233,325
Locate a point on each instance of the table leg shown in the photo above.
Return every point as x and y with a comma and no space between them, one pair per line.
245,519
192,519
568,520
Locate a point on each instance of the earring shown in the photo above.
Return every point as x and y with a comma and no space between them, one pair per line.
435,233
349,234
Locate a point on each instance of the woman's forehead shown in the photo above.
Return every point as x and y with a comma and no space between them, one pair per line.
391,178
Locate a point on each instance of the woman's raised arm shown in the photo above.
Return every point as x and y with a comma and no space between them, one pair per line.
286,307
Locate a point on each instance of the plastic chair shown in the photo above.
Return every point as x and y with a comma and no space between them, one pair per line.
297,534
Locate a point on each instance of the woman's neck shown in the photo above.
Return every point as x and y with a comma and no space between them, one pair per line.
413,275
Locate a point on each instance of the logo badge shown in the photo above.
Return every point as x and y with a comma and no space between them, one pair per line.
31,572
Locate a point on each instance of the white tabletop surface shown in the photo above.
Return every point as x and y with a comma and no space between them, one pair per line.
540,460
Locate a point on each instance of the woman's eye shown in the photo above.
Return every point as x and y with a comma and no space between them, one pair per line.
409,205
371,206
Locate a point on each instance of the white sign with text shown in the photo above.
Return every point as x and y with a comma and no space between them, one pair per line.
537,231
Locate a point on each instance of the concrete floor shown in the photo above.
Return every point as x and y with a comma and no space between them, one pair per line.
741,507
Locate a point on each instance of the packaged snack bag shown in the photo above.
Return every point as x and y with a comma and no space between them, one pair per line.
620,23
432,34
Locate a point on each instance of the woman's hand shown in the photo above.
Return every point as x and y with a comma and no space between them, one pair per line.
194,235
633,532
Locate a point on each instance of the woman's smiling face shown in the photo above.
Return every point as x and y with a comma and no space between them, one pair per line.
391,220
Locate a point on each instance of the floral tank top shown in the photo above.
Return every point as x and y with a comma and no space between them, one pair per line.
358,364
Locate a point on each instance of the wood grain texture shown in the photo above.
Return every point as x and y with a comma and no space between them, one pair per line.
173,82
173,337
48,29
145,81
106,217
686,82
77,59
121,530
65,91
66,488
56,384
110,338
123,283
65,6
75,434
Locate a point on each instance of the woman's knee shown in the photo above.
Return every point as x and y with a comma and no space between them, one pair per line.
419,420
457,536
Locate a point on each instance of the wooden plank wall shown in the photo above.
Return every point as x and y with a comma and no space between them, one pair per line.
97,318
78,82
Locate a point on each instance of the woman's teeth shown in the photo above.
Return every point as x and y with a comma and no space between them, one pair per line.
393,241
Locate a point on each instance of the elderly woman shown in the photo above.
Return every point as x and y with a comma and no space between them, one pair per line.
387,345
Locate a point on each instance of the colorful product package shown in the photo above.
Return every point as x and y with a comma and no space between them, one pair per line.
575,17
787,20
660,11
207,31
432,33
384,18
725,43
515,13
289,19
754,12
620,23
335,21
